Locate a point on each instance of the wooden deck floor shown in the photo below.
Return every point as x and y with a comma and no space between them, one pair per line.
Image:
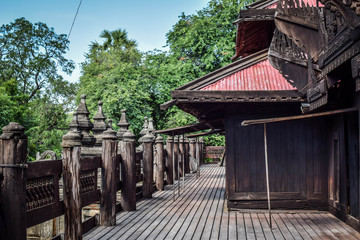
199,213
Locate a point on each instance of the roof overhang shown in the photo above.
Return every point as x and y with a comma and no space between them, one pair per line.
196,96
191,128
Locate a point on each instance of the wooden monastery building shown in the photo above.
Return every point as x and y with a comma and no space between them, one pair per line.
296,63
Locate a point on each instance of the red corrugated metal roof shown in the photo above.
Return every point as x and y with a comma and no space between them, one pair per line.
260,76
312,3
272,6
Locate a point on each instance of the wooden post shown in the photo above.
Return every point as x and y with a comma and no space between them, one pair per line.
71,143
169,162
197,153
267,175
187,162
181,156
108,181
13,151
148,161
160,163
176,157
128,172
192,146
202,150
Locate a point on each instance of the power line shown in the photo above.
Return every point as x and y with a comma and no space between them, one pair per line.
72,25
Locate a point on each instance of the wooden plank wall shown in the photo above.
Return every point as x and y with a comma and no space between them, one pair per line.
297,164
343,171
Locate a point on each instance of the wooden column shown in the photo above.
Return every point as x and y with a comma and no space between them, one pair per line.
159,163
192,147
13,151
186,147
176,157
71,143
108,178
201,144
181,155
148,169
128,172
197,153
168,160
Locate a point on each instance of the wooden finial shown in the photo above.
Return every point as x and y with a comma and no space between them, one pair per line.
13,131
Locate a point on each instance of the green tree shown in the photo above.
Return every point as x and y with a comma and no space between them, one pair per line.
112,73
31,54
116,73
206,38
32,91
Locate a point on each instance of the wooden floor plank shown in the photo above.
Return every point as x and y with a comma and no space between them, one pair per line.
172,209
281,226
161,229
249,228
202,219
154,221
215,231
209,222
131,219
312,234
322,225
224,225
290,226
232,226
200,213
102,231
341,226
319,232
192,218
299,228
240,226
257,227
269,233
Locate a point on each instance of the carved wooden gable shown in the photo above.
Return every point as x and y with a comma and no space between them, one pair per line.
310,42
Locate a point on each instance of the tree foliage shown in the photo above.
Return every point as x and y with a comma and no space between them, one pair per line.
206,39
32,92
116,73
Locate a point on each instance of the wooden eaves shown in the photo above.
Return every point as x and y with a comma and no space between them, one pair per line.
235,96
195,127
215,131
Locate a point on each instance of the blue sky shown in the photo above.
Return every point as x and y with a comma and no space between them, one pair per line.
146,21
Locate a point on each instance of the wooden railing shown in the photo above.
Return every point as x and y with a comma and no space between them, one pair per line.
31,193
214,152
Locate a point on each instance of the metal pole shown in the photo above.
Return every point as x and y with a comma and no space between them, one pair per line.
267,175
178,166
183,161
173,161
197,154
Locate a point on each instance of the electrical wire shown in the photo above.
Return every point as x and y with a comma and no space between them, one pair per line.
72,25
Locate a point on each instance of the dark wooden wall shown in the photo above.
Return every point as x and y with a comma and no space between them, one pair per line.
297,164
343,170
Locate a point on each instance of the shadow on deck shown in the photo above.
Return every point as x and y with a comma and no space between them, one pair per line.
199,213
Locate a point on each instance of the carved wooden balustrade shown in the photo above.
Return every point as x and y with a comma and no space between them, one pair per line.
31,192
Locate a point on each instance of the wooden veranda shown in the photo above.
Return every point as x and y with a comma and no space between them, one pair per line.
200,212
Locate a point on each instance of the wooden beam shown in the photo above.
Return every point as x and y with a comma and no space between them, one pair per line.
197,96
281,119
168,104
214,131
